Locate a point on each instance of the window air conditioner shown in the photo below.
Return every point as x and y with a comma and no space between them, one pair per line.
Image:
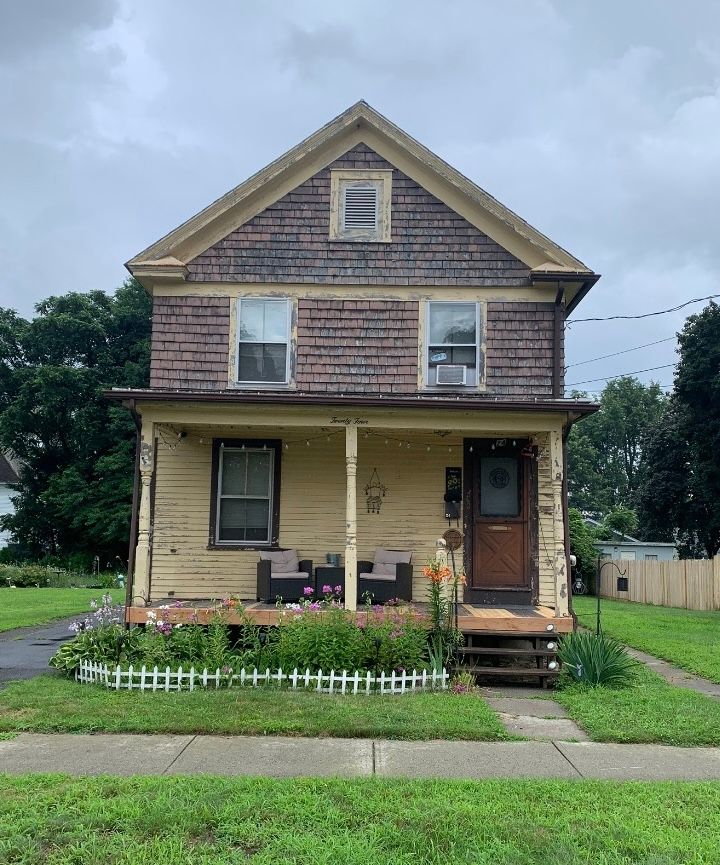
451,374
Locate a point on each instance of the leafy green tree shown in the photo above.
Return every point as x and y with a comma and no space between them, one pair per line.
76,448
619,520
680,495
605,450
581,545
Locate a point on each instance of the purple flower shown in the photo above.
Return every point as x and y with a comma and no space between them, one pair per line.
327,590
315,606
308,590
338,590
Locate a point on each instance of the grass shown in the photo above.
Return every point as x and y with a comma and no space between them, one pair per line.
53,704
54,820
651,711
688,638
20,608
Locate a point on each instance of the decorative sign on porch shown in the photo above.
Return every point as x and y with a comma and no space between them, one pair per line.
375,492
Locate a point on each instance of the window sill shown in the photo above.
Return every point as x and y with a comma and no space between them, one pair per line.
260,385
250,547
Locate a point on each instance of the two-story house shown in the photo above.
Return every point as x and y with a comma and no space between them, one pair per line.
343,346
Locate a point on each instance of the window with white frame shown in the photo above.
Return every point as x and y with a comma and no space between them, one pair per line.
246,489
263,354
452,352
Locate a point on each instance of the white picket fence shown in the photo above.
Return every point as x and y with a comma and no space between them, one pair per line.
154,679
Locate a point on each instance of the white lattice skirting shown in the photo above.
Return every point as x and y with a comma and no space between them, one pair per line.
154,679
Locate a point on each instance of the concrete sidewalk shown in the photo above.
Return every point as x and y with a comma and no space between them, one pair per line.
277,757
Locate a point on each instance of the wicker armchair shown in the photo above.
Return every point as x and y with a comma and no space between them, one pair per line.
388,577
280,574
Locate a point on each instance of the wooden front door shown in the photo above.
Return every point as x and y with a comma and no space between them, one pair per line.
497,527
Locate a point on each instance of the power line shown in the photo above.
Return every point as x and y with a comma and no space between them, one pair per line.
624,351
621,375
645,314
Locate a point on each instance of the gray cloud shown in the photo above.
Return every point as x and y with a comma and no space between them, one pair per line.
596,122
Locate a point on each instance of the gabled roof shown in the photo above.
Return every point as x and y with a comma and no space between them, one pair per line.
8,475
360,123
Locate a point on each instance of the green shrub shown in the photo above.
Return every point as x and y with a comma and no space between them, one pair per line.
595,660
24,576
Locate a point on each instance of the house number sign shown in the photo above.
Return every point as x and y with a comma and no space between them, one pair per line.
349,421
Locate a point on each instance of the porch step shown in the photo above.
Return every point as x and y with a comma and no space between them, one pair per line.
513,672
499,650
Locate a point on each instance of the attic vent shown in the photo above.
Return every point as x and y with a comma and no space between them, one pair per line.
360,207
451,373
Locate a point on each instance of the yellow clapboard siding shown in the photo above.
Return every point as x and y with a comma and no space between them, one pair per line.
312,506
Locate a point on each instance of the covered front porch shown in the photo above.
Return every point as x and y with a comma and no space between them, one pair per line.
347,482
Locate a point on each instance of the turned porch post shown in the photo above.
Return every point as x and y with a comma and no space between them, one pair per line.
562,578
351,580
141,575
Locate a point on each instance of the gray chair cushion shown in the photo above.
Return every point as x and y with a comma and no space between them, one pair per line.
289,575
383,578
282,561
385,561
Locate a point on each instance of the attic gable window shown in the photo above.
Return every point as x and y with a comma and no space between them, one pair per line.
360,205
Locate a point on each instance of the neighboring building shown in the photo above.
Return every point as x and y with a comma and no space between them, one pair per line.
342,345
622,546
8,477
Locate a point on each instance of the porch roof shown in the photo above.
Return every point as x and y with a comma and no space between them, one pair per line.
575,408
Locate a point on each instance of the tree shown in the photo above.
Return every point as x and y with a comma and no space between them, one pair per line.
581,545
605,451
680,495
619,520
75,447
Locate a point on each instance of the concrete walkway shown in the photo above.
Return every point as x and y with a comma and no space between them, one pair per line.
530,713
676,675
277,757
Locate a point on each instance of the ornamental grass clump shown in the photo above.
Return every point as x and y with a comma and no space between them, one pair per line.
595,659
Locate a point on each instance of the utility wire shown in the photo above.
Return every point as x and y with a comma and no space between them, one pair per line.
645,314
621,375
624,351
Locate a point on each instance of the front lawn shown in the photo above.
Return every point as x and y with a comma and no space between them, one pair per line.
20,608
688,638
54,820
50,704
649,711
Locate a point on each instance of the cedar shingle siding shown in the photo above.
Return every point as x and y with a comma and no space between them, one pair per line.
288,242
190,339
519,357
352,345
357,346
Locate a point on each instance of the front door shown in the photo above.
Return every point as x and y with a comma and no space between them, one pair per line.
497,527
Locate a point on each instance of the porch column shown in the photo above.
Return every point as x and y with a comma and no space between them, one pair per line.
351,517
141,575
562,607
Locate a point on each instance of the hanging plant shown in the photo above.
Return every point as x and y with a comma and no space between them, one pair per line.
375,491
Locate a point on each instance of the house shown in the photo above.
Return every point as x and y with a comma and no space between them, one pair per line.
8,479
355,349
625,547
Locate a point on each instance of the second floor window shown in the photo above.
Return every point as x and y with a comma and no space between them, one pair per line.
452,341
263,340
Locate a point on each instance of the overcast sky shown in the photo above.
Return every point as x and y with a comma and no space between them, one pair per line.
599,123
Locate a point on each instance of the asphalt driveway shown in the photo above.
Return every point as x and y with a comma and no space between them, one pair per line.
25,652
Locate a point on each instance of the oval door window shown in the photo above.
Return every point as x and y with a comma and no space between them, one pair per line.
499,488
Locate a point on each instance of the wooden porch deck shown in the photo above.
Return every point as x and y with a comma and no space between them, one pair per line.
472,618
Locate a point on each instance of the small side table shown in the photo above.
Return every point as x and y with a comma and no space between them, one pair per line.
328,575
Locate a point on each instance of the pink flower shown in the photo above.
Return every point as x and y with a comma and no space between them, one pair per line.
308,590
327,590
338,590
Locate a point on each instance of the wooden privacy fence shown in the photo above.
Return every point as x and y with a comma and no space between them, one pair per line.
154,679
693,584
